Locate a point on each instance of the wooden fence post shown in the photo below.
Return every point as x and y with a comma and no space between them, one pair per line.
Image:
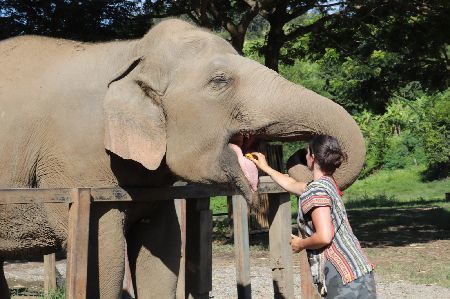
198,262
180,206
241,247
49,273
78,239
280,249
307,288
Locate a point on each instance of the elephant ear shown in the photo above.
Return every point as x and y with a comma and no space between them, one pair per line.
135,126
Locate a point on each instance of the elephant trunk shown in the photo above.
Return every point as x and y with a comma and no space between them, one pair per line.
300,114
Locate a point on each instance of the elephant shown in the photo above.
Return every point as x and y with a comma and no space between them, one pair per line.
177,104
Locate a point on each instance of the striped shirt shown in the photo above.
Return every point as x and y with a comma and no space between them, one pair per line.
344,252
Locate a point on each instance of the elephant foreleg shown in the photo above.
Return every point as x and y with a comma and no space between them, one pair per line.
154,247
4,290
106,256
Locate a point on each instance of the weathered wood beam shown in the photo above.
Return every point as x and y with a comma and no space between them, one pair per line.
280,250
77,247
241,247
198,262
49,273
118,194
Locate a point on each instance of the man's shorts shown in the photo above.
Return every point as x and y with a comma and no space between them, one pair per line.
362,287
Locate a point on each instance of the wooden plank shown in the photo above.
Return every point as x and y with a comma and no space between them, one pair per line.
280,250
117,194
180,205
77,251
205,252
163,193
49,273
198,248
307,288
241,246
33,195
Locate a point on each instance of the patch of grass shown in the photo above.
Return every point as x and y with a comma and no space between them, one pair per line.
401,184
59,293
56,294
219,204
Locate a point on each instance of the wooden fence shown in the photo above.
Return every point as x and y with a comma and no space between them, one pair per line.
196,234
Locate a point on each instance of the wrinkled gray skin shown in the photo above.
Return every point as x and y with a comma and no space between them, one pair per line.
139,113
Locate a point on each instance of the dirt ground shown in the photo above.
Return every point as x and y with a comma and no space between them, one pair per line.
393,265
393,274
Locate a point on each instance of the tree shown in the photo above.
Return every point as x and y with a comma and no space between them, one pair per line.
286,19
396,41
233,16
80,20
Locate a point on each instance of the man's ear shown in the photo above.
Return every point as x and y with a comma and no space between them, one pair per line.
135,125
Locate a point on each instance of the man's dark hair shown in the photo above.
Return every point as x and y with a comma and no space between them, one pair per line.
327,152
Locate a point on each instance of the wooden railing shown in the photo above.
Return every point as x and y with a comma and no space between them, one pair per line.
196,229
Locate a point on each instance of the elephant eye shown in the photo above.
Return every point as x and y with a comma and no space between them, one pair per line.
219,81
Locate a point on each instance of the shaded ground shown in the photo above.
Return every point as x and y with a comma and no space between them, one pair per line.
400,226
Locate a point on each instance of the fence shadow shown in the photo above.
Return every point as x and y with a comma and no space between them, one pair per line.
399,226
381,221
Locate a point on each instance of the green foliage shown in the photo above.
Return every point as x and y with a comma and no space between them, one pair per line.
403,150
380,47
359,84
375,133
219,204
305,73
412,131
434,131
250,49
56,294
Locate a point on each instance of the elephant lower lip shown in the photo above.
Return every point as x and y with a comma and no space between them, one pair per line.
248,167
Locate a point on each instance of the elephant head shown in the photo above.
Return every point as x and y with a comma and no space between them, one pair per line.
190,97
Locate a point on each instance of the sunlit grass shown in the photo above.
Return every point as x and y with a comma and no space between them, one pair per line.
399,184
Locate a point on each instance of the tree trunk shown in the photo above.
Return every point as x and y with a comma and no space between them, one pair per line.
274,43
237,41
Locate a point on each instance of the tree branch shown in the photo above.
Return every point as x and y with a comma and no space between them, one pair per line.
300,11
224,21
249,15
305,29
193,17
331,4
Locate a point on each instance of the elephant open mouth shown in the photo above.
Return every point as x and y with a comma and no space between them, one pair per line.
245,142
241,144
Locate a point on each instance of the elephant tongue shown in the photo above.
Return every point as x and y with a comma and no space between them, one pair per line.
248,167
